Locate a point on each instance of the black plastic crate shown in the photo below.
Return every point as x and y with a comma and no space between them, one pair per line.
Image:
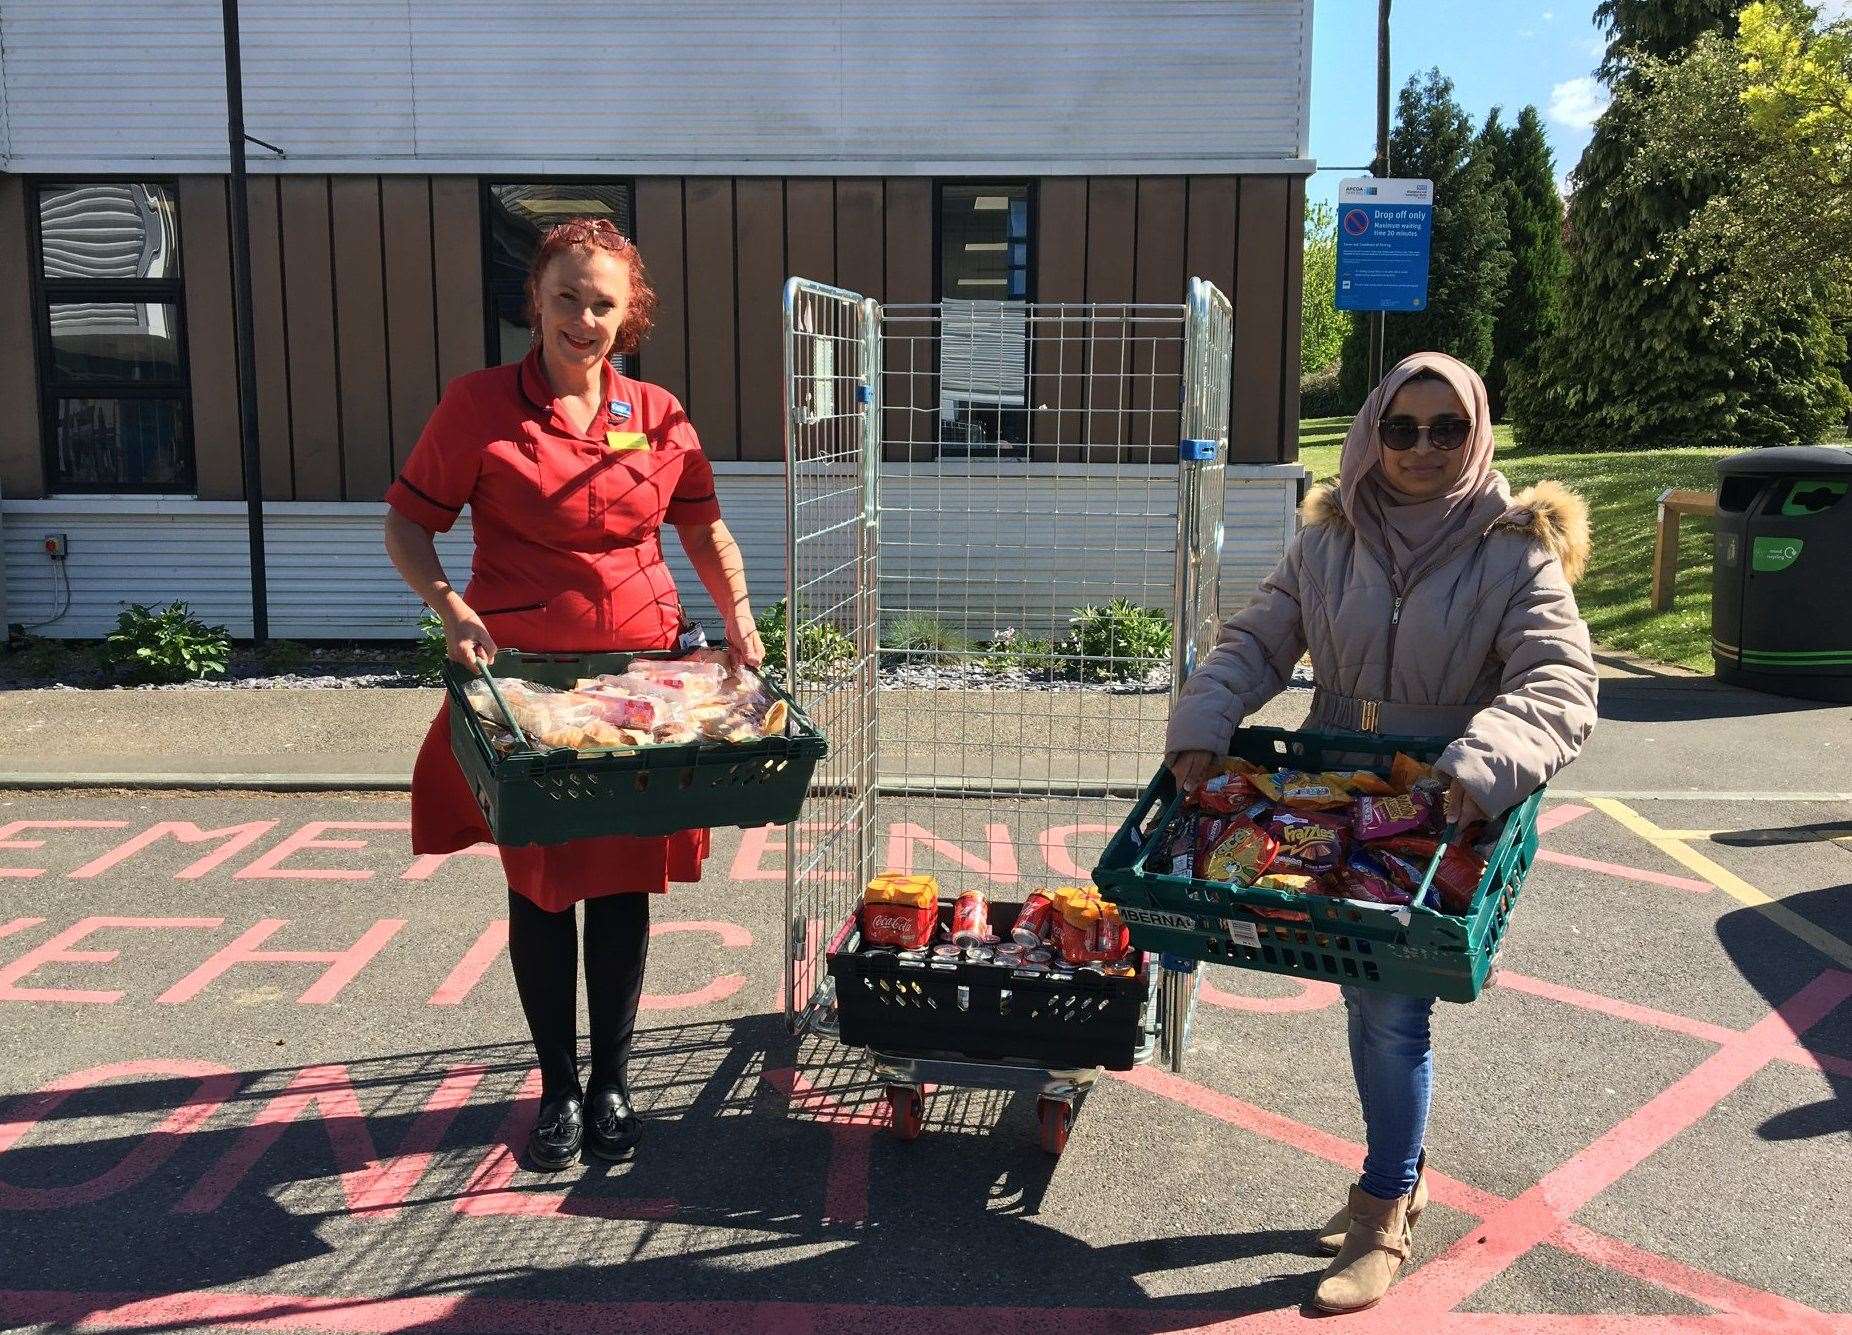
964,1011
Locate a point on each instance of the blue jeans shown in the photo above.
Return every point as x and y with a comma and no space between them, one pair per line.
1393,1060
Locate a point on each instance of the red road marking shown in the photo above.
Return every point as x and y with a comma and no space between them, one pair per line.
58,951
732,936
343,965
1057,843
1620,1010
476,962
426,864
215,1084
845,1185
13,827
1001,868
1625,873
1314,995
237,839
1558,816
1536,1214
1698,1285
269,866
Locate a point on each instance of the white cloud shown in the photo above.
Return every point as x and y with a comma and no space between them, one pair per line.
1832,10
1527,33
1579,102
1597,47
1549,16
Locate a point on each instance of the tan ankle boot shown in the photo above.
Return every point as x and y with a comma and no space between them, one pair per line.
1331,1237
1373,1251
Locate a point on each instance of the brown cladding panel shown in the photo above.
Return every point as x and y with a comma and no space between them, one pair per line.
1289,345
1260,318
270,340
1057,380
664,359
22,458
211,338
411,349
456,239
910,388
308,299
1160,280
360,327
810,228
759,219
1209,249
713,392
1112,229
860,266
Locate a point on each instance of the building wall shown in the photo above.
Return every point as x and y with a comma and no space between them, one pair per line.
368,298
851,87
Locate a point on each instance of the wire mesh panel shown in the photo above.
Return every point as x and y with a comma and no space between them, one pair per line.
832,368
1029,531
1202,481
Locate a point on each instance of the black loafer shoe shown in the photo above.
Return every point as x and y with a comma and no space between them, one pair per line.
613,1128
558,1133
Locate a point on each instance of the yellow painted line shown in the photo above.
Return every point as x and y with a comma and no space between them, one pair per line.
1833,947
1684,835
1689,836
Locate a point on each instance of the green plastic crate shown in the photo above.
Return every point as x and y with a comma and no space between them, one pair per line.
1418,951
552,797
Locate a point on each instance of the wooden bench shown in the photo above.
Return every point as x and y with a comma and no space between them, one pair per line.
1674,505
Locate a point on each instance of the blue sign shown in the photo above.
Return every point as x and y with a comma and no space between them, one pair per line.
1384,231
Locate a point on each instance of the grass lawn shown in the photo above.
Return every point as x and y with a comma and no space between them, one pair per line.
1622,489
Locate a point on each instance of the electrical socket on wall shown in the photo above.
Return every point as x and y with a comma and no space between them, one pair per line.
55,546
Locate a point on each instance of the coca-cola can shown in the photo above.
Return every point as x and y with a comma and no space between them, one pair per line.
971,918
1038,910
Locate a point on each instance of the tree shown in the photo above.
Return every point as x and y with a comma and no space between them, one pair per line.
1321,324
1639,356
1526,175
1772,113
1468,261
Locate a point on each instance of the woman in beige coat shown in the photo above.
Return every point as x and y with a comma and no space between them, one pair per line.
1433,603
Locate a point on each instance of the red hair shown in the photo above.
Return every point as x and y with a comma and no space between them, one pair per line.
596,234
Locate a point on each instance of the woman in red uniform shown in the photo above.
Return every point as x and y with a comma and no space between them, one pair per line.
570,471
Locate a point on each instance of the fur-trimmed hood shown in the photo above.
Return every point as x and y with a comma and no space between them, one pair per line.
1553,516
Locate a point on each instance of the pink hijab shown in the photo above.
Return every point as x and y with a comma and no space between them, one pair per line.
1410,535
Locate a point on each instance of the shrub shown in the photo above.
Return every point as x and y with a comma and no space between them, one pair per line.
820,645
1118,642
1322,395
433,649
924,639
170,645
1011,652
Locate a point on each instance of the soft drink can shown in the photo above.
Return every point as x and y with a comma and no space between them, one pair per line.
947,952
1040,955
1038,910
971,918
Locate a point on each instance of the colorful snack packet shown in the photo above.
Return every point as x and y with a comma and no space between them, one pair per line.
1265,782
1364,781
1227,794
1457,879
1311,842
1385,817
1405,772
1363,877
1292,883
1240,853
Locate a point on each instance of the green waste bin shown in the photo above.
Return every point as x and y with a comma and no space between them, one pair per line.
1781,604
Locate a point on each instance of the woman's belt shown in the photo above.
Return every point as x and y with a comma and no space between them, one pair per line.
1389,717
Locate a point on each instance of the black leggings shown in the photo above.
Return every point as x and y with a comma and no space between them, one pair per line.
545,951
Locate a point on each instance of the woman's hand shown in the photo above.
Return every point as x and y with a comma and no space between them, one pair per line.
1190,768
744,647
466,638
1459,807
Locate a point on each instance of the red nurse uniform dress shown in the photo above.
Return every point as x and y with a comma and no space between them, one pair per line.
568,560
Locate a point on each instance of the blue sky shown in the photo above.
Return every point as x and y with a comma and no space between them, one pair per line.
1497,52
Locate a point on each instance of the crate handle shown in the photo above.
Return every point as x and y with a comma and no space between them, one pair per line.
488,679
1447,837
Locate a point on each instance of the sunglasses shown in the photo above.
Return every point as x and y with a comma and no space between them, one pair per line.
1443,433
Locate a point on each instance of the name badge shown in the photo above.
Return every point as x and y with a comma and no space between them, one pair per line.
622,442
620,411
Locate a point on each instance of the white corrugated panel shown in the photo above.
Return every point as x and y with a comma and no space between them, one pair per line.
666,86
1069,544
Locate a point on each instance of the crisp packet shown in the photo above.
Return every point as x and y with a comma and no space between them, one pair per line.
1385,817
1314,792
1311,842
1405,772
1227,794
1292,883
1366,781
1363,877
1240,853
1265,782
1457,879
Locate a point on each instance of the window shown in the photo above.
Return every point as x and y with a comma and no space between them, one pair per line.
984,337
112,346
517,212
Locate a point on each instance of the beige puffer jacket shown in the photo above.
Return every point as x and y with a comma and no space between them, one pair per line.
1486,648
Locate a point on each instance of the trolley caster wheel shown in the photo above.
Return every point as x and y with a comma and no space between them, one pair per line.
905,1111
1057,1119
